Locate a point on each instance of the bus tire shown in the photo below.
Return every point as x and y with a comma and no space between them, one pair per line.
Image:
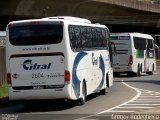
151,73
82,100
103,91
107,80
138,73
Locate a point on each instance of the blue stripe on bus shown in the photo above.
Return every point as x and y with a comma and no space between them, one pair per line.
102,67
76,81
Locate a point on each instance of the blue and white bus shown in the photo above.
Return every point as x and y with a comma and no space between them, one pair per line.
57,58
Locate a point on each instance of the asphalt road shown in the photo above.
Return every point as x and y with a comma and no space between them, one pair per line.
128,95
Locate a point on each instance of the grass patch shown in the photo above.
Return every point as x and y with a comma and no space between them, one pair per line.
3,91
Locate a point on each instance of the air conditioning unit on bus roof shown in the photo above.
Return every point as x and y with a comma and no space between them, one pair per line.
70,18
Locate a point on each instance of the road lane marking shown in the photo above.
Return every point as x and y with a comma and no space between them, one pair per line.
142,97
147,92
150,96
142,104
112,109
146,101
116,111
135,107
149,99
134,98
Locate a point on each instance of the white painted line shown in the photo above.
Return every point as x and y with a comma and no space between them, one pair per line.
150,96
142,104
109,110
148,99
131,100
145,101
135,107
149,91
115,111
138,96
103,115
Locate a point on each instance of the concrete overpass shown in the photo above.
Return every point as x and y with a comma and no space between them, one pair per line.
117,14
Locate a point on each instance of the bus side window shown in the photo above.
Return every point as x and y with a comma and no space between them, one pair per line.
89,37
99,35
103,38
78,41
94,39
72,37
83,36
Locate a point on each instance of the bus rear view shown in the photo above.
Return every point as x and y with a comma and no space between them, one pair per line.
122,60
35,60
57,58
135,53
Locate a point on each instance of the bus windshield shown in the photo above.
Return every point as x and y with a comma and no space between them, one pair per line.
38,34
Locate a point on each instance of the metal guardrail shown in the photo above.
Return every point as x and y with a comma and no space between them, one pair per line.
2,65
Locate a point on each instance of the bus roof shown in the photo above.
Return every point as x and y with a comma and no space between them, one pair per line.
66,19
70,18
136,34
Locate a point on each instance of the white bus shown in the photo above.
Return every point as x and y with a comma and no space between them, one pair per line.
57,58
135,53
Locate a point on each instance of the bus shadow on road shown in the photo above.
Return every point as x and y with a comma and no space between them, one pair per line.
12,107
52,105
46,106
36,106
